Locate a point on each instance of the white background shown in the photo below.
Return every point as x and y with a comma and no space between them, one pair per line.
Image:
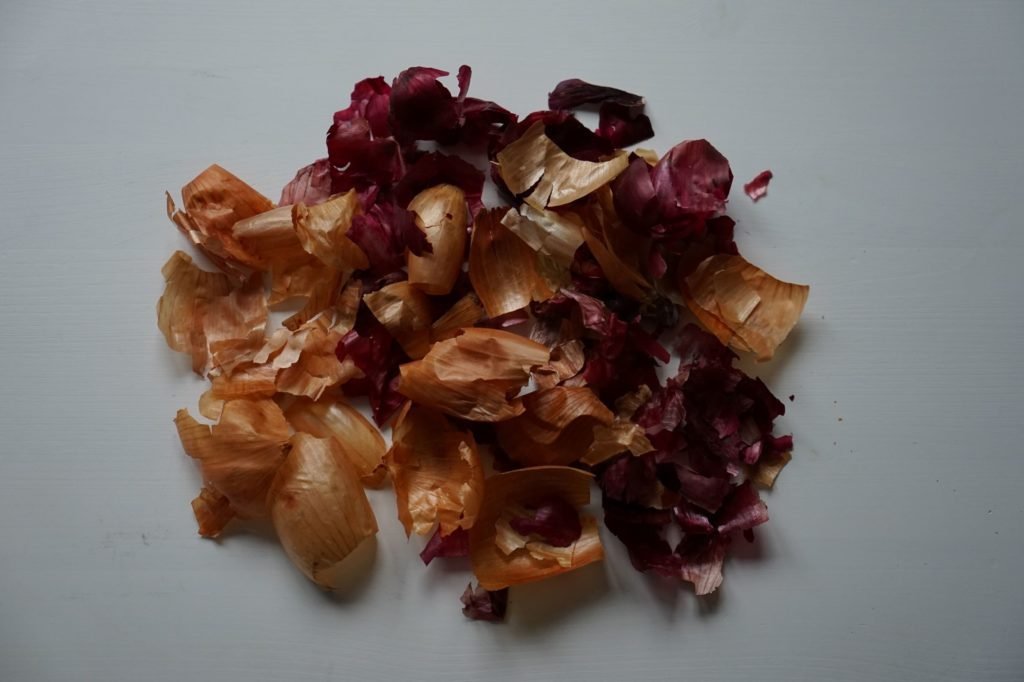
895,546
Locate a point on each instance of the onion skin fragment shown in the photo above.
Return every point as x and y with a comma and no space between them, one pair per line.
495,569
319,509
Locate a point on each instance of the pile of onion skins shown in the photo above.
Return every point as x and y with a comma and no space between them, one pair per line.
513,351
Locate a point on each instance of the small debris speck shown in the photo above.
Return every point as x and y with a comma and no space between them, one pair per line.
840,419
792,397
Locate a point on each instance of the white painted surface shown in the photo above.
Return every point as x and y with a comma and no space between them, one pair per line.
894,130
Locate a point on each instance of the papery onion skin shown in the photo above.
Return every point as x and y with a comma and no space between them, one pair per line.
360,440
471,375
481,604
406,312
556,428
496,570
240,454
181,309
322,230
535,165
441,213
742,305
319,509
436,470
502,267
212,203
757,188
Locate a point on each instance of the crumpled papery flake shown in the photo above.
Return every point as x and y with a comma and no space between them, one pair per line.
369,348
317,368
212,511
556,428
620,436
474,375
622,118
622,254
768,468
573,92
674,198
709,424
202,314
567,359
248,381
436,472
240,454
181,310
406,313
385,234
535,166
743,305
319,509
300,362
212,203
273,246
546,232
481,604
534,559
322,230
502,267
757,188
311,185
306,358
465,312
455,544
271,240
235,325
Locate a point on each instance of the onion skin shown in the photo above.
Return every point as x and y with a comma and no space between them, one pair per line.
319,509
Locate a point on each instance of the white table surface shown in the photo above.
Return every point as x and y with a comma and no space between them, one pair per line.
896,546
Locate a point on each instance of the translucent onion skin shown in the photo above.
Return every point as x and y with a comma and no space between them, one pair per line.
535,161
240,454
471,375
743,305
556,428
436,470
319,509
360,440
440,212
322,229
502,267
495,569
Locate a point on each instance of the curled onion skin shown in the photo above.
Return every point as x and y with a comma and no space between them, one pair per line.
319,509
743,305
436,471
493,567
471,375
442,214
239,454
535,161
